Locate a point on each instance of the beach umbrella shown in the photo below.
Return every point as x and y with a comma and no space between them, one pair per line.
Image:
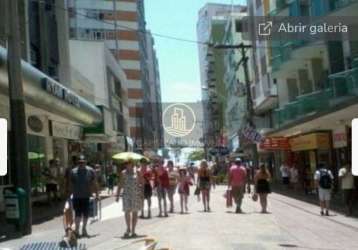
129,156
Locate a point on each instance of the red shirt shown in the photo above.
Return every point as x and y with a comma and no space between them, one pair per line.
237,176
163,177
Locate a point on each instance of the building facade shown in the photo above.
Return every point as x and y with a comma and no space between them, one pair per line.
121,24
235,82
316,92
212,15
155,94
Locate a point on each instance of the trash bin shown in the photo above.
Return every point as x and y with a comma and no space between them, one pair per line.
15,205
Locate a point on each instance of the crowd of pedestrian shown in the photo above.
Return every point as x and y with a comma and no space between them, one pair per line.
139,181
324,183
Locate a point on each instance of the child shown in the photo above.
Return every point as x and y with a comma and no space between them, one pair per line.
184,190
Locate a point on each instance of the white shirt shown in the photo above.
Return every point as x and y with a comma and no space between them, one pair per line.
284,171
317,174
294,175
347,179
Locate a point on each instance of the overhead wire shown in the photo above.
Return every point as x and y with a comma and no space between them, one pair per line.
165,36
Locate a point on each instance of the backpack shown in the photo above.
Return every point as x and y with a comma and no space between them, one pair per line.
325,180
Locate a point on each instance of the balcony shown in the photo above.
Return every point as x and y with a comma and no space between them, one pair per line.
321,8
341,90
280,5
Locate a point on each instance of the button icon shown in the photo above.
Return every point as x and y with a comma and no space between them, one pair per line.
265,28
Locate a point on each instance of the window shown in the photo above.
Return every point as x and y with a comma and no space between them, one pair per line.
239,27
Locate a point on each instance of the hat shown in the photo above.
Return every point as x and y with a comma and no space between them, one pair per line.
238,159
82,158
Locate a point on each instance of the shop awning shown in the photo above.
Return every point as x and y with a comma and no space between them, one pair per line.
43,92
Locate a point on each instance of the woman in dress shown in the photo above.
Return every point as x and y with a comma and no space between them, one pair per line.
262,186
204,183
184,189
131,182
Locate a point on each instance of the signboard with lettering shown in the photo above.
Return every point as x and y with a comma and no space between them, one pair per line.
275,143
67,131
252,135
310,141
60,92
340,137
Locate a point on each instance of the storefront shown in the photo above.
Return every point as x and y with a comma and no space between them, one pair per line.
270,152
55,115
308,151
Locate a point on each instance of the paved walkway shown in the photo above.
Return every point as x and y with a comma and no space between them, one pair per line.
293,224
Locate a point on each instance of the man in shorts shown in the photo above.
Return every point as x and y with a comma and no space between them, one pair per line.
324,182
237,182
82,183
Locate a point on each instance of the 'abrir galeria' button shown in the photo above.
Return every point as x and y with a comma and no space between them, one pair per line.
3,147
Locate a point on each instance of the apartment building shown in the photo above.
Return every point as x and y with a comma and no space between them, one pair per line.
155,94
212,15
235,82
121,24
317,89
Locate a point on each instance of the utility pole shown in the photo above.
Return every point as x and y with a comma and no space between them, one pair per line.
19,158
250,106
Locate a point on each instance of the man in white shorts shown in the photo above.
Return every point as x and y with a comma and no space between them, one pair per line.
324,182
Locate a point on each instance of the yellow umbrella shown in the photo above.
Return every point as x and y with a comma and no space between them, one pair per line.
129,156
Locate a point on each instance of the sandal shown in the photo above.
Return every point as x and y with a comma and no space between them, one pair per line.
126,235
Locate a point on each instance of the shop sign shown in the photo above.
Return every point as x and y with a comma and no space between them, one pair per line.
310,141
35,123
252,135
60,92
275,143
66,131
340,137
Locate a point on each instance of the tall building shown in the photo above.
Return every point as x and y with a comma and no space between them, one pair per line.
235,83
317,90
56,115
121,24
155,93
264,85
209,17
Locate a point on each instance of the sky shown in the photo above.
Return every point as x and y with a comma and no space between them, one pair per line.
178,61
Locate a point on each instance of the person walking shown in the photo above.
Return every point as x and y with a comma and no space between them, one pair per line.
51,176
184,189
285,174
111,178
82,183
262,186
173,183
204,183
294,177
146,174
324,183
347,185
237,182
130,180
162,186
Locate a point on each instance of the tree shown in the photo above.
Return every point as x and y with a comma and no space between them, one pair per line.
197,155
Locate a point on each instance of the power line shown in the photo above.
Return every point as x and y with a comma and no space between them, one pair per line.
165,36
